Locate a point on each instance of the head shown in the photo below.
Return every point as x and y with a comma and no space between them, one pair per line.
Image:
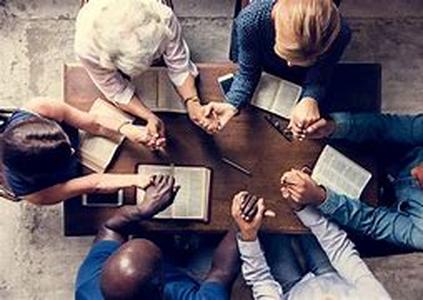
134,272
305,29
126,34
35,146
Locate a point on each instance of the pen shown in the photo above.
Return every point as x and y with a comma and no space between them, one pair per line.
236,166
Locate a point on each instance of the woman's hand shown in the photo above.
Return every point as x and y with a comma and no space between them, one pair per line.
304,114
198,114
135,133
155,133
222,112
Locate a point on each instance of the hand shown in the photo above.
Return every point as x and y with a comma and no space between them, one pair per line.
323,128
200,116
417,173
155,133
300,189
223,112
135,133
305,113
159,195
243,204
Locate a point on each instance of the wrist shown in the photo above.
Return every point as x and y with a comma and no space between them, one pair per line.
191,100
321,198
248,236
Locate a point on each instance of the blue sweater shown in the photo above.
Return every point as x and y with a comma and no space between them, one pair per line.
254,42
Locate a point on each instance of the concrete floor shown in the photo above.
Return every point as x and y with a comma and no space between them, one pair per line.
36,36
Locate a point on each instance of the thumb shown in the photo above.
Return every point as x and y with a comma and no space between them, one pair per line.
316,126
208,109
269,213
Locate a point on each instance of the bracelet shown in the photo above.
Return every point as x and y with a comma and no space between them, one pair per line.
193,98
121,125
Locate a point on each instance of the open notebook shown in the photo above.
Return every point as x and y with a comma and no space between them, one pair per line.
276,95
339,173
157,92
96,152
192,200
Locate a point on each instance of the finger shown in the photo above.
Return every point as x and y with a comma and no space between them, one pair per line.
245,201
294,194
260,213
269,213
316,126
250,216
250,206
208,109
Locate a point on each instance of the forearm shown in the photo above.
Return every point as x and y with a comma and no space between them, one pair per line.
367,127
137,108
379,223
188,88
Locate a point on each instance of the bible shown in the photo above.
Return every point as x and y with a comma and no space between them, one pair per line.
339,173
192,200
96,152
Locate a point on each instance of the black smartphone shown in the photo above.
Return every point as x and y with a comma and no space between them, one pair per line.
225,82
103,200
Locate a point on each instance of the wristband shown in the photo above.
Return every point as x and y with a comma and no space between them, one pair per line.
121,125
193,98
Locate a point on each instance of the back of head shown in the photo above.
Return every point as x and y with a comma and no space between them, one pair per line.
126,34
133,273
34,146
305,29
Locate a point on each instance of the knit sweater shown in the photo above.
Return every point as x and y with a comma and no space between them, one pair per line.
254,46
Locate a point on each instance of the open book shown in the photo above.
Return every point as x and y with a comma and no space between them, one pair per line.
157,92
192,200
276,95
340,174
96,152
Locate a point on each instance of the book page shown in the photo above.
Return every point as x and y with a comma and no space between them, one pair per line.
286,98
96,152
192,199
168,98
340,174
146,86
266,91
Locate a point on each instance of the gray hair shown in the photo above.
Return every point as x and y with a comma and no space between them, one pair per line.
127,33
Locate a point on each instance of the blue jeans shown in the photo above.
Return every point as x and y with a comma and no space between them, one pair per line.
284,262
402,222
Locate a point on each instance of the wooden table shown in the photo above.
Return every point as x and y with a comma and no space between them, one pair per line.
247,139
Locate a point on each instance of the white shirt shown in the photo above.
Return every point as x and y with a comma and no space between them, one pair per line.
175,52
353,280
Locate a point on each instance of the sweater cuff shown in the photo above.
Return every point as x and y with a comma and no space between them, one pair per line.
331,204
249,248
308,215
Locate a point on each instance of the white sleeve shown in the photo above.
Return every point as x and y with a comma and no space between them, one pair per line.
256,272
342,253
177,55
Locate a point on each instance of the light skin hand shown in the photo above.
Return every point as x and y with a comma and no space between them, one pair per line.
200,115
417,173
323,128
222,112
156,133
304,114
300,189
248,229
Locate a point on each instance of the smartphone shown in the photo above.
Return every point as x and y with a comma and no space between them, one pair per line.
225,82
103,200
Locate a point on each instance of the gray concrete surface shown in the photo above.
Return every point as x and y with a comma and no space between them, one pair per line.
36,36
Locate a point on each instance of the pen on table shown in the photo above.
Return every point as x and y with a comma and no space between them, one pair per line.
236,166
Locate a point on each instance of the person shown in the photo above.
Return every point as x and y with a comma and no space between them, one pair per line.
118,268
351,279
401,222
38,153
117,40
298,40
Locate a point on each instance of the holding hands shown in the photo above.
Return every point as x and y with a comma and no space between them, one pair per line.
299,189
248,211
304,114
152,135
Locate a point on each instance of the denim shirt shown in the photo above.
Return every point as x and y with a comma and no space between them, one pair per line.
254,42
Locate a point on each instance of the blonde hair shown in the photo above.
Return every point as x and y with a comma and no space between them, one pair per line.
305,29
126,34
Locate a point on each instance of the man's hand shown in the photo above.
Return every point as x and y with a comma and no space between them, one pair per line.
300,189
159,195
135,133
305,113
417,173
245,205
200,116
222,112
155,133
323,128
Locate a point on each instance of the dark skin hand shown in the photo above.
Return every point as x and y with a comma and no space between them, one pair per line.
250,207
159,195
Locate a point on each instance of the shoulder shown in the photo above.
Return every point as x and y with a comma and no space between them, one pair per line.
344,36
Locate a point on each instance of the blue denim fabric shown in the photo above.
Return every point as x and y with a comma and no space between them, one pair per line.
401,223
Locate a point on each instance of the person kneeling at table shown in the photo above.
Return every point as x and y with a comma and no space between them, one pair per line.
402,222
118,268
351,279
38,153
